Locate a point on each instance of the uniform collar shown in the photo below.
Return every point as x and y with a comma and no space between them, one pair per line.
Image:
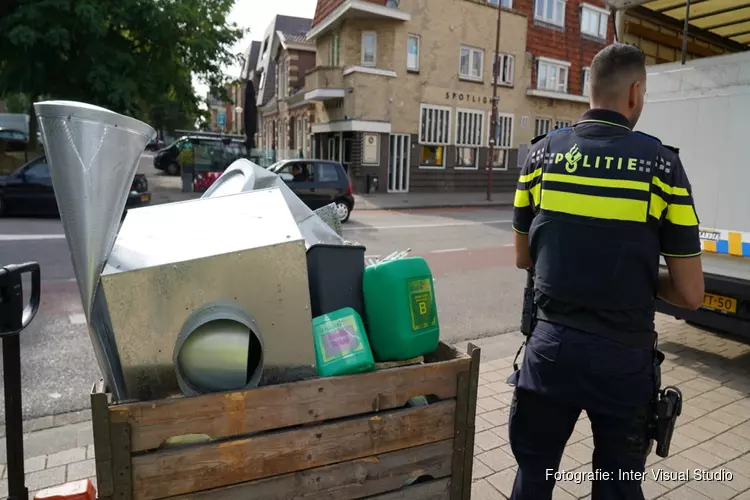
605,117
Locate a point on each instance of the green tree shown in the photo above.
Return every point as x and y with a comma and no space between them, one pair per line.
126,55
17,103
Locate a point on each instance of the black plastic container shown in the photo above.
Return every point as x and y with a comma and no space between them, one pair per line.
335,277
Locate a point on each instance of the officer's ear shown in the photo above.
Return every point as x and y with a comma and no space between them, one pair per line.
634,94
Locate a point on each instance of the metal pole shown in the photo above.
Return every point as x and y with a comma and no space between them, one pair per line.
493,123
685,31
13,417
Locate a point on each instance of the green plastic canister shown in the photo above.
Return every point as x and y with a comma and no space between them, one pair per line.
341,345
402,319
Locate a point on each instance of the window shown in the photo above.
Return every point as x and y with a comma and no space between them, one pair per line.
585,85
594,21
369,48
294,171
542,126
506,3
552,75
503,140
333,58
505,71
469,137
412,53
37,171
471,63
562,124
434,130
326,172
334,148
550,11
282,78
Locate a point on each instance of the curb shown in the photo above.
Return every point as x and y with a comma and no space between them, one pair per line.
501,204
52,421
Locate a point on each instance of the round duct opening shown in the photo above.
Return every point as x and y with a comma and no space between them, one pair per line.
219,349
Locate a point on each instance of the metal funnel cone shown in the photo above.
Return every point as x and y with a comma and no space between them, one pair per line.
93,154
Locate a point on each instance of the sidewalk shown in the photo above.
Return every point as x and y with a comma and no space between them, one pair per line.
713,432
168,189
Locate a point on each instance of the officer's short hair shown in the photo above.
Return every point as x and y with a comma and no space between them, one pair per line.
614,66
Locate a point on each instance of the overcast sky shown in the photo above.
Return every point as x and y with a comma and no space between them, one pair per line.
256,15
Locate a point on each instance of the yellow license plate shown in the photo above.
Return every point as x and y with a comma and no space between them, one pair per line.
720,303
145,197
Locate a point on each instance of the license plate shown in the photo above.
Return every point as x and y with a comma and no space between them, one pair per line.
720,303
145,197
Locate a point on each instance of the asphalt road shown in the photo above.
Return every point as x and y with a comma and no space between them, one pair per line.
470,252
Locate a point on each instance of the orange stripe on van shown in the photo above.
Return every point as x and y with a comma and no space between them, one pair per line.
709,246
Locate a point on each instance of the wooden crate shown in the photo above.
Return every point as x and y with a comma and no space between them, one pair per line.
338,438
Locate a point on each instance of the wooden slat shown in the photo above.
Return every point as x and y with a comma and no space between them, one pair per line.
459,437
344,481
102,443
179,471
275,407
434,490
471,417
669,41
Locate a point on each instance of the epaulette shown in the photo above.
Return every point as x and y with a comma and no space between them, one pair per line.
647,136
672,148
538,138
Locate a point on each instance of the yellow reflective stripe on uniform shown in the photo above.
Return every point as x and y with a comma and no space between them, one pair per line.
536,194
657,206
521,199
682,215
597,181
678,191
600,207
529,177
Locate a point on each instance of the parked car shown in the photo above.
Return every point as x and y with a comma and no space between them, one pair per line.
210,154
15,140
28,191
318,183
155,145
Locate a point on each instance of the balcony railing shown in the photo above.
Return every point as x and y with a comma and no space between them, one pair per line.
324,77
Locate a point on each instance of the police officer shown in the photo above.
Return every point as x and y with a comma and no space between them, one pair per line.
596,205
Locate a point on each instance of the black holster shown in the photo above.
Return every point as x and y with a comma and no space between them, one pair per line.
665,408
528,322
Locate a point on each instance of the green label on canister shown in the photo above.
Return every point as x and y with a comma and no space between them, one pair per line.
421,304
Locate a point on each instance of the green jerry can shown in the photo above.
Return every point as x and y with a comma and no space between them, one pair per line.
402,319
341,345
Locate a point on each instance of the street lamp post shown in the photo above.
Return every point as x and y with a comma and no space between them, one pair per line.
493,125
238,122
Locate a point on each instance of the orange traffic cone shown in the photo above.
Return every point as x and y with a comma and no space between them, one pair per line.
77,490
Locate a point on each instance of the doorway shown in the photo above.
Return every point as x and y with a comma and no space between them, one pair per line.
399,150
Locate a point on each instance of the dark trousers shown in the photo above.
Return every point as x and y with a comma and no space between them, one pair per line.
564,372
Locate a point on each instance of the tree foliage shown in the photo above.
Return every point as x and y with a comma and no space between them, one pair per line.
130,56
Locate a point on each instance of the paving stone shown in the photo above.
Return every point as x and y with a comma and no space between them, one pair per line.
497,459
685,492
66,457
729,438
724,452
716,490
90,451
712,425
38,424
505,398
652,489
490,403
81,470
569,463
560,494
501,387
480,424
502,432
45,478
694,432
2,471
488,440
497,417
740,465
680,463
681,442
484,391
482,490
579,452
728,417
73,418
577,489
503,481
34,464
495,376
739,482
479,470
48,441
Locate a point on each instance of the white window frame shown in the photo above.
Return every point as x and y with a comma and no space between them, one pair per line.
495,2
433,133
562,124
542,120
507,71
541,14
374,62
585,79
472,51
475,137
506,122
419,46
601,14
558,65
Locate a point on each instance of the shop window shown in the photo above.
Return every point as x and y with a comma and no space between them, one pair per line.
471,63
552,75
469,138
505,70
550,11
369,48
503,140
434,130
506,3
412,53
542,126
594,21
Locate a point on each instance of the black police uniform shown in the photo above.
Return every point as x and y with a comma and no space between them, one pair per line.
599,203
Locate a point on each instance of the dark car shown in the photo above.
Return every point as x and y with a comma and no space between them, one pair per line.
15,140
318,183
29,191
210,154
155,145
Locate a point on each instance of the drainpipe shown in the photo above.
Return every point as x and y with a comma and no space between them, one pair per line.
620,25
685,31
